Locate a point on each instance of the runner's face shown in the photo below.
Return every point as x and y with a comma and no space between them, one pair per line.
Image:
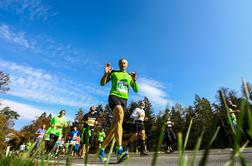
123,64
62,113
92,109
142,105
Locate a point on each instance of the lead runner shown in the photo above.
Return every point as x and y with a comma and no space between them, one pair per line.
120,81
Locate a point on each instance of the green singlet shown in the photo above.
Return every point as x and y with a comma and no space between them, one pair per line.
120,84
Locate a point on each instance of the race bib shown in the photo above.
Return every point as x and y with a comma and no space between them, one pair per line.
142,116
91,122
122,86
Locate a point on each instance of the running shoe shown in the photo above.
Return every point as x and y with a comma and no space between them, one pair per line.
122,155
102,156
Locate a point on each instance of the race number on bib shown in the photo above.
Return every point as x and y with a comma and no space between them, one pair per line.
122,86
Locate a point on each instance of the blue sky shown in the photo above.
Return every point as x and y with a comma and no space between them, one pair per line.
55,51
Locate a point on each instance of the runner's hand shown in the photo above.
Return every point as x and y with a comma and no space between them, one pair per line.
108,69
133,76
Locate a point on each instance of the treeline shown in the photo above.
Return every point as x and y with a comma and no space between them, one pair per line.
206,117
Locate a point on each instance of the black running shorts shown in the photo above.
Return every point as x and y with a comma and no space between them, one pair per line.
139,125
114,101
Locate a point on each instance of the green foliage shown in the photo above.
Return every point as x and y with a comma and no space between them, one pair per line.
6,123
27,133
9,161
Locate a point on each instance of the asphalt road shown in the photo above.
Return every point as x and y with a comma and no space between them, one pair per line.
217,157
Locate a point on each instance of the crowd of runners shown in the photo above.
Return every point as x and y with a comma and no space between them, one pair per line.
79,142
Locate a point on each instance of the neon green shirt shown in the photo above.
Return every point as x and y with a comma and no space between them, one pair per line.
232,116
58,124
101,136
121,81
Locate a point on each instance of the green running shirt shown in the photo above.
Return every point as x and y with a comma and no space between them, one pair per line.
121,81
58,124
232,116
101,136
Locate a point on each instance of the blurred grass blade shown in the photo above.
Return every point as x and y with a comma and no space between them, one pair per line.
196,148
245,89
203,161
68,161
180,149
227,111
87,144
214,136
187,134
111,150
247,106
160,140
231,160
242,160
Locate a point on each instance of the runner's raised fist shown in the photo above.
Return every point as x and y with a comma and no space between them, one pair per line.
133,76
108,68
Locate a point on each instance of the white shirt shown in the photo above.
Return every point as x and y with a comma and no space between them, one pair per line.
169,123
22,147
138,114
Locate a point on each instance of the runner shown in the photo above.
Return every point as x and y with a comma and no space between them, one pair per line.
121,81
40,134
89,121
101,135
74,141
58,146
138,128
23,148
57,125
169,135
232,109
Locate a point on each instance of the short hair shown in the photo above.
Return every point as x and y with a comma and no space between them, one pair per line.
91,108
122,60
62,111
142,102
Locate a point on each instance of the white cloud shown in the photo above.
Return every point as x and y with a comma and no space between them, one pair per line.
47,50
28,112
12,37
41,86
66,55
155,91
35,9
25,111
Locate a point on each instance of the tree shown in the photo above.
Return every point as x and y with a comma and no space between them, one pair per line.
9,114
79,115
149,113
176,116
27,133
6,123
203,120
4,82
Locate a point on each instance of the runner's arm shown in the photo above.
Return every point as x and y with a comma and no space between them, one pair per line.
105,79
106,76
134,114
135,86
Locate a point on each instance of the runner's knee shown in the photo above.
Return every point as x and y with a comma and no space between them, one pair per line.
142,135
119,113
